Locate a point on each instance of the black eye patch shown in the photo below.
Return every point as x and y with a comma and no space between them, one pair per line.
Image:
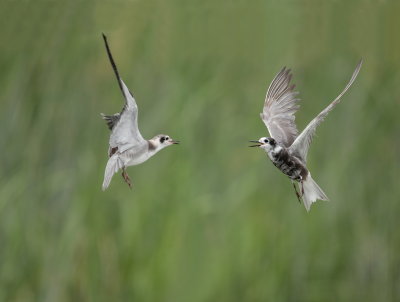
162,139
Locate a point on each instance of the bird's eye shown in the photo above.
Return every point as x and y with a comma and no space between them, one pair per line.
167,138
265,141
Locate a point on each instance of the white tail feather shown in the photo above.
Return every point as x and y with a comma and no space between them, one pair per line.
312,192
113,165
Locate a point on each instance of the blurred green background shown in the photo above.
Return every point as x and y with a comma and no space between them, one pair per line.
211,219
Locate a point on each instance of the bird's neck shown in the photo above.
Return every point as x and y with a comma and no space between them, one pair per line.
276,151
152,148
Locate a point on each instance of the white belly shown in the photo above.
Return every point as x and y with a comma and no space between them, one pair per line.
136,160
135,156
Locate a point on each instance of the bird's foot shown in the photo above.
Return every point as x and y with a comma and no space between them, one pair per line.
125,176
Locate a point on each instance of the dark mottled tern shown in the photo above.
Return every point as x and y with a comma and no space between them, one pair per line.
286,149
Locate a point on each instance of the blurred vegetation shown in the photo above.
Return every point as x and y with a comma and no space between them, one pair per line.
209,220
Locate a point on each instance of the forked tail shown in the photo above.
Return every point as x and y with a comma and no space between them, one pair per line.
113,165
312,192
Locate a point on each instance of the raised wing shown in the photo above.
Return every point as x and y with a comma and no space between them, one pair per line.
125,131
302,143
279,108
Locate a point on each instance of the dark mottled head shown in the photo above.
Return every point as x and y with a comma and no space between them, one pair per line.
269,140
267,143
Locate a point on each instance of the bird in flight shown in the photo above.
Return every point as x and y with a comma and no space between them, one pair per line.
285,148
127,147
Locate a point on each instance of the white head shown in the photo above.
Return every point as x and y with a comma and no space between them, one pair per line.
266,143
161,141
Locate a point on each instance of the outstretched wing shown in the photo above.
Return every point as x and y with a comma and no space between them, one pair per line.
279,108
125,131
302,143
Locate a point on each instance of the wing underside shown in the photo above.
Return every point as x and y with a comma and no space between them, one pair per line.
281,103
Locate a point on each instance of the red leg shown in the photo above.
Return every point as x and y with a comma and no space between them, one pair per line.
297,193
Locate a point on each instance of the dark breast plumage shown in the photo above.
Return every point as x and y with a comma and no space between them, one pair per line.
289,165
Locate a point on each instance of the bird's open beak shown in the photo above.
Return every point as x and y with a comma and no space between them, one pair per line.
258,144
174,142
